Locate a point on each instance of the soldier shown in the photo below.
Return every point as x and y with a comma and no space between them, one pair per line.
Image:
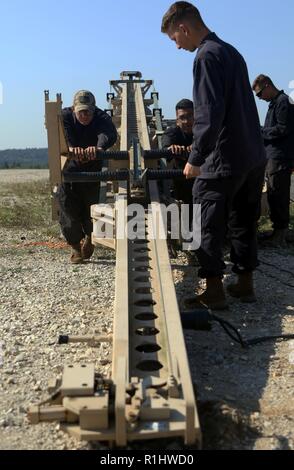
87,129
278,134
178,139
227,157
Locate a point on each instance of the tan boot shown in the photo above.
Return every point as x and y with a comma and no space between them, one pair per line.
243,289
87,248
76,254
213,297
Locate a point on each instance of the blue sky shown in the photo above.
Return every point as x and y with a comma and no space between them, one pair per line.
69,45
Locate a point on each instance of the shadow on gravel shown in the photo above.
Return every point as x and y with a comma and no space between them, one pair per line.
230,380
104,261
225,427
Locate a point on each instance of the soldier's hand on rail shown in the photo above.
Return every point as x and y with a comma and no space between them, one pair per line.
177,150
77,153
90,153
191,171
71,153
189,149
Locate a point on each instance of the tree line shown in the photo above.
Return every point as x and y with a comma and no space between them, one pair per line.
30,158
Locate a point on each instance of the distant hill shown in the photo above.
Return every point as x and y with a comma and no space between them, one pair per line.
24,158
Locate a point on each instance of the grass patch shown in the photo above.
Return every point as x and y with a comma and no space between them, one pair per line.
27,205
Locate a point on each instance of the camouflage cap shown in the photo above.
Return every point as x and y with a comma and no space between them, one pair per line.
84,101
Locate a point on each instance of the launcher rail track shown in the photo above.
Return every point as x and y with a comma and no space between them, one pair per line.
149,394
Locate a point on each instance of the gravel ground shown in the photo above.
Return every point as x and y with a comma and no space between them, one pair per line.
245,397
43,296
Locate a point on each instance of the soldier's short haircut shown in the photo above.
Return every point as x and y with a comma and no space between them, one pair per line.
261,81
184,104
180,11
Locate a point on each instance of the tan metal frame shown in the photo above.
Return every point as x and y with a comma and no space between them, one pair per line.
150,384
57,145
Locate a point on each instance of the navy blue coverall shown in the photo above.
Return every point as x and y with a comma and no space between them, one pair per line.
228,147
278,134
182,190
75,199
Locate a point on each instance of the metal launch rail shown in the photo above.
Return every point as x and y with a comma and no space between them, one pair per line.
149,394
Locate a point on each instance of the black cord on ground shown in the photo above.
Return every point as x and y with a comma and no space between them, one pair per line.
276,278
278,268
251,342
254,341
227,327
201,320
